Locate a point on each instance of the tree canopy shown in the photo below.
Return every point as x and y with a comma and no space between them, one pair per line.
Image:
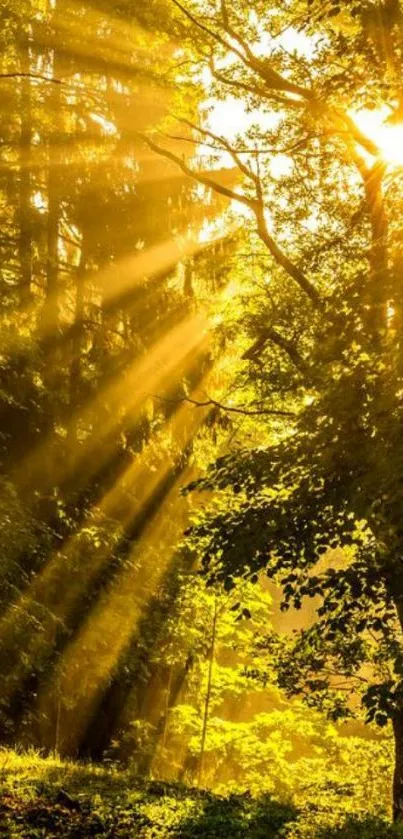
201,331
324,197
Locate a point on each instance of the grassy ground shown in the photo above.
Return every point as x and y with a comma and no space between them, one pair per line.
44,797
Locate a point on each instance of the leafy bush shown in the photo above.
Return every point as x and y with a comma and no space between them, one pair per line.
236,817
366,828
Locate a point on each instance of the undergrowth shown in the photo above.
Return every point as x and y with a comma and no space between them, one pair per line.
46,797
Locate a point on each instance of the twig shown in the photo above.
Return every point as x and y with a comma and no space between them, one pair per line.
37,76
230,409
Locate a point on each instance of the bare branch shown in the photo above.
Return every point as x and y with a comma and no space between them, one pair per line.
225,145
35,76
209,402
256,205
255,90
198,176
295,148
272,335
282,259
357,135
197,142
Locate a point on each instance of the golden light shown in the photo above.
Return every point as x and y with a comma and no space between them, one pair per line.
105,37
140,481
172,352
108,127
387,136
90,659
146,376
39,201
119,277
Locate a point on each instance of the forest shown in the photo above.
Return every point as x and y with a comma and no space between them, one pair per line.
201,419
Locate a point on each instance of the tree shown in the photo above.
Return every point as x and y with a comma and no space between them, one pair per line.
322,335
83,303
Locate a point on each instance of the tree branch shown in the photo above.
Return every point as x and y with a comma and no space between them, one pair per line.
265,71
270,77
271,335
357,135
198,176
208,403
36,76
255,90
207,31
283,260
275,81
256,205
225,145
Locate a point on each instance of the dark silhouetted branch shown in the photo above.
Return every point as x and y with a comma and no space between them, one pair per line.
209,403
271,335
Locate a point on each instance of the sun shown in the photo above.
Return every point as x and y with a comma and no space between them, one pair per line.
387,136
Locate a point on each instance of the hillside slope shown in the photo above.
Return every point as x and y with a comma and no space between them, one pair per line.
45,797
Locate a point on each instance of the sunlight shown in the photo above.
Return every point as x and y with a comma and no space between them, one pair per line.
108,127
201,402
39,202
116,279
108,38
120,276
387,136
170,355
91,658
128,393
137,485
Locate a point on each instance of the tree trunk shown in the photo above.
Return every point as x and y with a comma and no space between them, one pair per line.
379,290
49,322
51,307
208,694
398,770
25,213
76,344
167,708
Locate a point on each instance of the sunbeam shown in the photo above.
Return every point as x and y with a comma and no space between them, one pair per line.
201,406
90,659
127,394
55,591
123,503
116,280
124,397
112,40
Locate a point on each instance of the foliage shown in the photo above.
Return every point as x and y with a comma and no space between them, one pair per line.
328,482
324,338
355,828
115,265
70,799
100,266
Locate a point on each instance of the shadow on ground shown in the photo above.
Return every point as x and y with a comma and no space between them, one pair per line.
236,817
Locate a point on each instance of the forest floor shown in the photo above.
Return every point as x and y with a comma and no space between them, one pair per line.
45,797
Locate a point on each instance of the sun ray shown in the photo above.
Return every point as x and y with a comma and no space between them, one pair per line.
125,395
138,482
116,280
128,392
54,600
108,37
90,659
160,257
